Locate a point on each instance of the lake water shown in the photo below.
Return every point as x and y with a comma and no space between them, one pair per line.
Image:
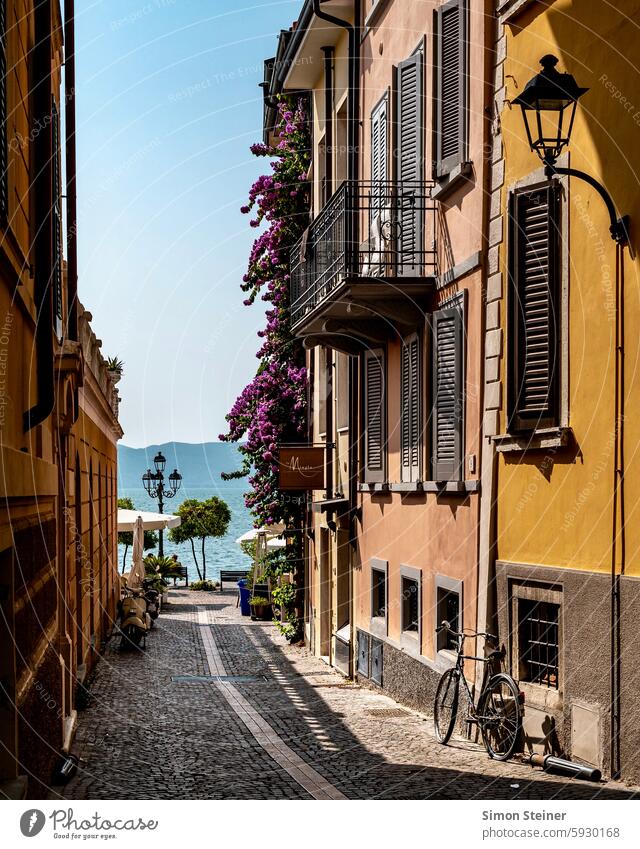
222,552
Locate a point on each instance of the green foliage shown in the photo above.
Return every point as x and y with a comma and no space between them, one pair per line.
259,601
114,364
201,519
284,594
165,567
126,537
204,586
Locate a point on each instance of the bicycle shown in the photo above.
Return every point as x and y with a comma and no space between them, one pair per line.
498,713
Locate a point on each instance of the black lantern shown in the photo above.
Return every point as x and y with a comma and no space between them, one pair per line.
175,479
548,105
147,480
159,461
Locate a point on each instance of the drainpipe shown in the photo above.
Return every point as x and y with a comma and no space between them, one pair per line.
43,197
328,121
70,152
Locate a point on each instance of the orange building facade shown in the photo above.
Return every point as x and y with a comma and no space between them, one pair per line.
58,419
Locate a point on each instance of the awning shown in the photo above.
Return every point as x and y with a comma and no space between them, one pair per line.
150,521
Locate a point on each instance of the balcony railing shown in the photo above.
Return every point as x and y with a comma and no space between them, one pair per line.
366,230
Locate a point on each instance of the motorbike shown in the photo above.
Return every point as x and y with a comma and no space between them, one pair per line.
152,597
135,622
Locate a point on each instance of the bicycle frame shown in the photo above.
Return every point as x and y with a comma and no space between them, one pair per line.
460,659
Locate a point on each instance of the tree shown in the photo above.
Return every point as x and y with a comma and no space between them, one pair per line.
126,537
199,520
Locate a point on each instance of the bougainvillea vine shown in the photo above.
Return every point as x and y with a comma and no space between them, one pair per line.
271,410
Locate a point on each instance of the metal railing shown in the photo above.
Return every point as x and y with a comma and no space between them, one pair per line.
397,221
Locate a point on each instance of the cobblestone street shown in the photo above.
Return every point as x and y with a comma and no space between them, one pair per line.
289,727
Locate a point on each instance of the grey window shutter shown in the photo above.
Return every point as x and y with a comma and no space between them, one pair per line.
534,311
451,84
410,409
379,158
410,165
4,152
448,403
375,416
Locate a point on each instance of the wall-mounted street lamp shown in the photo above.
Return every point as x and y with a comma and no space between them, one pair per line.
153,483
548,105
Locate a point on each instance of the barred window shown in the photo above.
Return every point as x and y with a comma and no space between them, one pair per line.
538,638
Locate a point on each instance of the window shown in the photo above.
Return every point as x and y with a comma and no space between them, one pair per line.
378,593
410,409
324,389
410,605
534,313
451,71
538,640
410,163
4,153
448,400
374,418
448,608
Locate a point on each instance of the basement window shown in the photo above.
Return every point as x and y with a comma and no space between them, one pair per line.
538,640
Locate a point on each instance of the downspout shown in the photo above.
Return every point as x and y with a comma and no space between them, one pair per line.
70,153
328,121
43,196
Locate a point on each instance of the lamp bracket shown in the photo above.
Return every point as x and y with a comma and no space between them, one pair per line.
618,225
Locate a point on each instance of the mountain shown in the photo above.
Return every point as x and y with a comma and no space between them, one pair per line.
199,464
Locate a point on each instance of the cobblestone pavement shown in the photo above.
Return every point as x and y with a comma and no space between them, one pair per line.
291,728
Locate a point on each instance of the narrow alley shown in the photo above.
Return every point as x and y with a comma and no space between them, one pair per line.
220,707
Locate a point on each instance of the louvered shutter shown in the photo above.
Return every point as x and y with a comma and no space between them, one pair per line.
448,406
534,292
4,153
451,83
410,409
375,415
379,158
410,166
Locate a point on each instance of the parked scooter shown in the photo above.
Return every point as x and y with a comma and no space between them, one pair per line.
152,597
134,619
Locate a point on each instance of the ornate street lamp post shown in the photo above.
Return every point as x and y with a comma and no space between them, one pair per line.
153,483
548,105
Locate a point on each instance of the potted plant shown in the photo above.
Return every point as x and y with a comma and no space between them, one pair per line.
260,607
114,367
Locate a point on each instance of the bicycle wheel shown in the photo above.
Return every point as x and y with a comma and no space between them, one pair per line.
500,716
446,705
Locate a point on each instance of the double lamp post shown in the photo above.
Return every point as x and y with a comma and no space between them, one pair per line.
155,487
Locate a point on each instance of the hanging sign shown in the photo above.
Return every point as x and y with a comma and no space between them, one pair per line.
302,467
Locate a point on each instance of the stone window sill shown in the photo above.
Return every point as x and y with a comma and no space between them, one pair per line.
422,486
456,178
535,440
510,9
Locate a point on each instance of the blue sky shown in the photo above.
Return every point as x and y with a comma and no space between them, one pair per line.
167,106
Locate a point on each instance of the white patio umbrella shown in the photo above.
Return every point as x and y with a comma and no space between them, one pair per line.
151,521
254,533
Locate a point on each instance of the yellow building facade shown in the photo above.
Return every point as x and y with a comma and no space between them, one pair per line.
559,544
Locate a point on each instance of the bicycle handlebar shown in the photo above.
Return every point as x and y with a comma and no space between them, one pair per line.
446,626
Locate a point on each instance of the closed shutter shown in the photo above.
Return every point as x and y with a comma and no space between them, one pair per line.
375,415
410,409
448,404
451,84
4,158
379,158
410,165
534,293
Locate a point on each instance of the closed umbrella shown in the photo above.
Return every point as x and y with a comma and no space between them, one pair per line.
137,574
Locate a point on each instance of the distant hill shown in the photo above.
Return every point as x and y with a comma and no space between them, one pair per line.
199,464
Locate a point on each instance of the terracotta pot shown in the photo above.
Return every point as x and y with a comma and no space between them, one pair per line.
261,611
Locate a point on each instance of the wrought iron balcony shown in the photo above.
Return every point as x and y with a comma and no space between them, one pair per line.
398,223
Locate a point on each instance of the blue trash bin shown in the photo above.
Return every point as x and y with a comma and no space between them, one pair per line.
245,595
